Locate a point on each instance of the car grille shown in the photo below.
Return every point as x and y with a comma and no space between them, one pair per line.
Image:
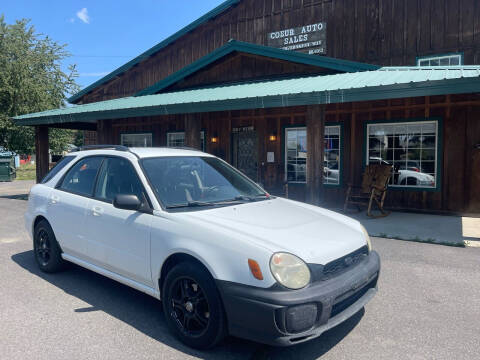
337,266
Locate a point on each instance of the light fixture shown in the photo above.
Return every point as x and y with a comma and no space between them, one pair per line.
214,138
273,137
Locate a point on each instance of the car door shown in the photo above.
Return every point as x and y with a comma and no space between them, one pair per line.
119,240
68,202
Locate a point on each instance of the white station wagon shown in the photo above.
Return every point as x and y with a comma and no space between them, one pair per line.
224,256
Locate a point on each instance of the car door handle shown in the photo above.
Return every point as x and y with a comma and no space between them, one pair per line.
97,211
54,199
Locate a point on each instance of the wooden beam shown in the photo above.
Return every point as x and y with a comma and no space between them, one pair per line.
315,143
193,127
41,152
104,132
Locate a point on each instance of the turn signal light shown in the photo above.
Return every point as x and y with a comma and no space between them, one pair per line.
255,269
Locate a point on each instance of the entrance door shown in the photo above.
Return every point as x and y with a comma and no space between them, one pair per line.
245,153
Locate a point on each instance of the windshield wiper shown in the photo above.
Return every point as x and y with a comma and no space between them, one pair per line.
191,204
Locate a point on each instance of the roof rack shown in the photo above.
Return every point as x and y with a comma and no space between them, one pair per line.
184,148
102,147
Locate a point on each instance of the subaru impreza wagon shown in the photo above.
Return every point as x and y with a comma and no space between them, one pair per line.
224,256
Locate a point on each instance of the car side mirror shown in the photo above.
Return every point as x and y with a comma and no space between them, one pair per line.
127,202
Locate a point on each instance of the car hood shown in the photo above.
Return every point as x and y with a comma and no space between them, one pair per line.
312,233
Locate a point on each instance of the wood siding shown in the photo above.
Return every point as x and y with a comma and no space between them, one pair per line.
385,32
459,169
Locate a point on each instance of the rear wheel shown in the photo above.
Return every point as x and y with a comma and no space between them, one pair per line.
48,254
192,306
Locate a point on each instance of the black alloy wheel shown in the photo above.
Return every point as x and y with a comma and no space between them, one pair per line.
192,306
48,254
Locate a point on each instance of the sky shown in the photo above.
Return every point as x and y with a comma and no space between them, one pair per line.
104,34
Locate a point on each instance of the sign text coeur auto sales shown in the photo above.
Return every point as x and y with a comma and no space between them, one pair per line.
310,39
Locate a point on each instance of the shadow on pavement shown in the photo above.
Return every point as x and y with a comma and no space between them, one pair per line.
145,314
15,197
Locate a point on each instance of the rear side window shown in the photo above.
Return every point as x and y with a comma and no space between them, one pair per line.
80,179
59,166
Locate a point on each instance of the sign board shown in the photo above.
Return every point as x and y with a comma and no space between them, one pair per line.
310,39
270,157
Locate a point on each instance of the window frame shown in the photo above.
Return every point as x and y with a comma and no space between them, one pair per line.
204,147
438,57
136,133
341,150
439,145
285,153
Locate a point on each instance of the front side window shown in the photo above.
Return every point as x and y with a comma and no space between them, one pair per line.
177,139
80,179
181,182
117,177
441,60
137,140
410,147
296,155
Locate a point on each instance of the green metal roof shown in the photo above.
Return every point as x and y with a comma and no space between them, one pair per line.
234,45
203,19
385,83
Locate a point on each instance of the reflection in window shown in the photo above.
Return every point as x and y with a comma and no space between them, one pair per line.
177,139
443,60
137,140
296,155
332,153
410,147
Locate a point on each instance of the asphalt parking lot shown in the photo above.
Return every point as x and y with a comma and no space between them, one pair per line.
428,307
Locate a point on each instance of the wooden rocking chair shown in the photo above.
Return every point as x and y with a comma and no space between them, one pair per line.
374,189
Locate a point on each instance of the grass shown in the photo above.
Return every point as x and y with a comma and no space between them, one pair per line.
26,172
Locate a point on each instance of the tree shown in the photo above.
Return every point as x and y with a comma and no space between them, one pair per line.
31,80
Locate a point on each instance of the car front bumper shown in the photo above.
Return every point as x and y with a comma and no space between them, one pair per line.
283,317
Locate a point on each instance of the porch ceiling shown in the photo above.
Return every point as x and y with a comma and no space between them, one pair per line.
385,83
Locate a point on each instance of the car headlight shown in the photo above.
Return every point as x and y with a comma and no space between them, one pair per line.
289,270
367,237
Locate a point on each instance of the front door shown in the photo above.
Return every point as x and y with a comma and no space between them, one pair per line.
118,240
245,153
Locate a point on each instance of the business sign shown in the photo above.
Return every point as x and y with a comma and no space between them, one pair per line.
310,39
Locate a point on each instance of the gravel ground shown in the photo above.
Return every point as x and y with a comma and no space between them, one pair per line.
428,307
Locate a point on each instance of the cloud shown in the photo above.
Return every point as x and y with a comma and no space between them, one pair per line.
83,15
71,20
93,74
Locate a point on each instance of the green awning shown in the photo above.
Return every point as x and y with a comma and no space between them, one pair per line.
385,83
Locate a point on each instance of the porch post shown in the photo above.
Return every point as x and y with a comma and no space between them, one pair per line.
315,144
192,131
104,132
41,151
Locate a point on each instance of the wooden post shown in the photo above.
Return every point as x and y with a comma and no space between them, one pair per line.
104,132
192,131
315,144
41,151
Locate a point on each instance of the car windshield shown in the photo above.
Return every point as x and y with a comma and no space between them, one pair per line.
184,182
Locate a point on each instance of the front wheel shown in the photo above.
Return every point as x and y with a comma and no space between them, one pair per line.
192,306
48,254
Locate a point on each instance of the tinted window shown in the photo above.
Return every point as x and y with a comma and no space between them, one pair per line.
80,179
60,165
117,176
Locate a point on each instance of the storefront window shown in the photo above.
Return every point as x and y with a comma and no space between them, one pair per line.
137,140
296,155
332,153
410,147
177,139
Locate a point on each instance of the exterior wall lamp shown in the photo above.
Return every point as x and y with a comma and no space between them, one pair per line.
272,137
214,138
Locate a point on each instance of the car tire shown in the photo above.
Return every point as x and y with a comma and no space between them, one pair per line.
48,254
192,306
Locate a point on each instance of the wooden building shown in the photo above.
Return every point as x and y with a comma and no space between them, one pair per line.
307,94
